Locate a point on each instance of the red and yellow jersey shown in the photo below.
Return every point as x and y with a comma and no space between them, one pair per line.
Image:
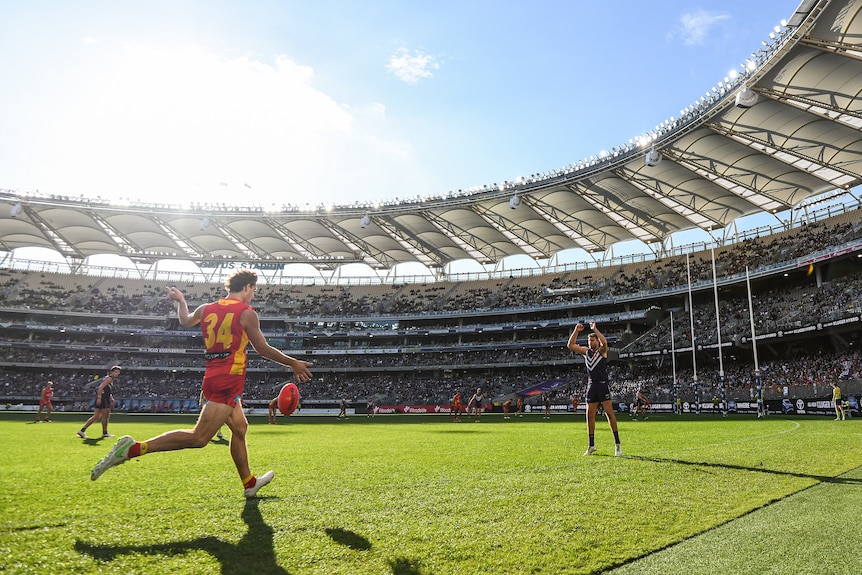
456,401
47,394
224,337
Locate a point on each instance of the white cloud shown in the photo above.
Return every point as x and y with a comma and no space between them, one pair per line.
695,27
412,67
168,126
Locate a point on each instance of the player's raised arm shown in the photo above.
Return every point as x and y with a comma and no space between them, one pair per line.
186,319
251,323
573,345
603,343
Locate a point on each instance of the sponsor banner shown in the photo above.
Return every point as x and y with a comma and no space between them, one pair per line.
160,350
543,387
657,407
302,411
785,406
433,409
362,351
815,406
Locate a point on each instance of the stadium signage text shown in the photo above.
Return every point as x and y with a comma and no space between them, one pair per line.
161,350
239,265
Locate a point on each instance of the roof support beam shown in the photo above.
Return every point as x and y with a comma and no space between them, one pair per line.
60,243
707,168
654,190
423,253
621,214
305,248
814,164
243,244
364,252
188,245
588,238
481,252
516,233
127,247
830,111
843,48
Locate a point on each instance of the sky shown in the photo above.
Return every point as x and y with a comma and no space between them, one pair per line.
265,102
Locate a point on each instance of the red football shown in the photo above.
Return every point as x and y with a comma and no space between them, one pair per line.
288,398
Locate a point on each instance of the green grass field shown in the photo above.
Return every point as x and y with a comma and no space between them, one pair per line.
420,495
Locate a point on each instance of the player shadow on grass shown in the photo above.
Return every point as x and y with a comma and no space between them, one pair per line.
254,553
759,468
93,441
404,566
348,538
399,565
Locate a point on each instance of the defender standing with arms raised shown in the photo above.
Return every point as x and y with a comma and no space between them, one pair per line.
478,402
228,326
598,391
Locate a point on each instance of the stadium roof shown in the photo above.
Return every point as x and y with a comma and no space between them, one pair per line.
786,128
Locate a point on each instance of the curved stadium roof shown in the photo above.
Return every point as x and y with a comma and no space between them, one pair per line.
727,156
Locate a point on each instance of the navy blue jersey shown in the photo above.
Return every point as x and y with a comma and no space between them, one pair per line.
597,365
106,397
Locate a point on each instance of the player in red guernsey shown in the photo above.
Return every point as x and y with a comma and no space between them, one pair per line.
45,401
228,326
273,405
456,408
506,405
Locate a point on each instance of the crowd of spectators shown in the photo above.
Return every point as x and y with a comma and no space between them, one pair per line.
730,260
777,310
415,387
490,359
101,296
807,372
433,376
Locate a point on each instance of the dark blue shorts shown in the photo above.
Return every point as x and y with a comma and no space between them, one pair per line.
598,391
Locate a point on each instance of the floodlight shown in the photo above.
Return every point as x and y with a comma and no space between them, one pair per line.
515,201
746,98
15,210
652,158
364,221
